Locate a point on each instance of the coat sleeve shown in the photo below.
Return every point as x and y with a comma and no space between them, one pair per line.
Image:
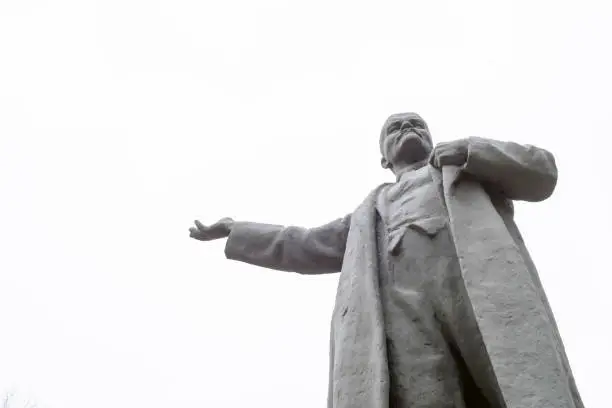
293,249
519,172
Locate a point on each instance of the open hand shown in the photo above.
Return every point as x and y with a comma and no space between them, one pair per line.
220,229
453,153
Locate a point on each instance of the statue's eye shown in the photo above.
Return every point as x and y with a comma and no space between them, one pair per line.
419,125
394,127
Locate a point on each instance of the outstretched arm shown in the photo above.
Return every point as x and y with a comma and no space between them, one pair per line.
519,172
293,249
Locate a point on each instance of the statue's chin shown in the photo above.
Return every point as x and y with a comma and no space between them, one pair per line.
412,149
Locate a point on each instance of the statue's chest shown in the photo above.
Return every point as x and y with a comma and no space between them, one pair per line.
414,197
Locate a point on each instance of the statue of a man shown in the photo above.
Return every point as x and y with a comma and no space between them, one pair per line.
439,304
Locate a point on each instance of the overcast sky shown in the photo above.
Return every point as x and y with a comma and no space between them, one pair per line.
122,121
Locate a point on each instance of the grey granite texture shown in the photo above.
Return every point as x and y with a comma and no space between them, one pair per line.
439,303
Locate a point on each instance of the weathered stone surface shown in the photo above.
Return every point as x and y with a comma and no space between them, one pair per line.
438,302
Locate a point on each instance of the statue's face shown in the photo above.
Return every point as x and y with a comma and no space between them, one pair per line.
404,140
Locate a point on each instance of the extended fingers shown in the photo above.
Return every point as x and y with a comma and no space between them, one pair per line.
199,231
200,226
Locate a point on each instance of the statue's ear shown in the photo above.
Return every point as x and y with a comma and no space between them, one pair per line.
385,163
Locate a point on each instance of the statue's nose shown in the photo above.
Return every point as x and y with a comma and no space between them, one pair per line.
406,125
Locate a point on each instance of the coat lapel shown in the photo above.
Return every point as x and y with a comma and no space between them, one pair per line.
359,369
512,319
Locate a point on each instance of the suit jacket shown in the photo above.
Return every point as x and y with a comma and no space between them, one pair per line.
514,317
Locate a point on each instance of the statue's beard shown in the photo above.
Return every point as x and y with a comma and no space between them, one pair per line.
410,147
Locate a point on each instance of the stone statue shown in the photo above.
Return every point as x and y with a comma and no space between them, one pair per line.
439,304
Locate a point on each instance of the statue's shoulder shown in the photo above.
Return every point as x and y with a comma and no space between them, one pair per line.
381,187
370,199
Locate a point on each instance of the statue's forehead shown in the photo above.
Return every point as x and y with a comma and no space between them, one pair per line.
402,116
399,117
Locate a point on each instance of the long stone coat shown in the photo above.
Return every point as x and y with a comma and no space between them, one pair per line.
514,319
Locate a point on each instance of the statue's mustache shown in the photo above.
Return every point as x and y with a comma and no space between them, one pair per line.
422,134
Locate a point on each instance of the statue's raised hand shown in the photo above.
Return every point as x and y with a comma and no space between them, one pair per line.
220,229
453,153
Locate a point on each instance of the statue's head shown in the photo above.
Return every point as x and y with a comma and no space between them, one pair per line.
404,141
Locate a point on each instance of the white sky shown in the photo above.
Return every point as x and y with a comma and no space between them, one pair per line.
122,121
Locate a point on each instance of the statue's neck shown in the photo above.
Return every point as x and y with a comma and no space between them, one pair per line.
411,167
